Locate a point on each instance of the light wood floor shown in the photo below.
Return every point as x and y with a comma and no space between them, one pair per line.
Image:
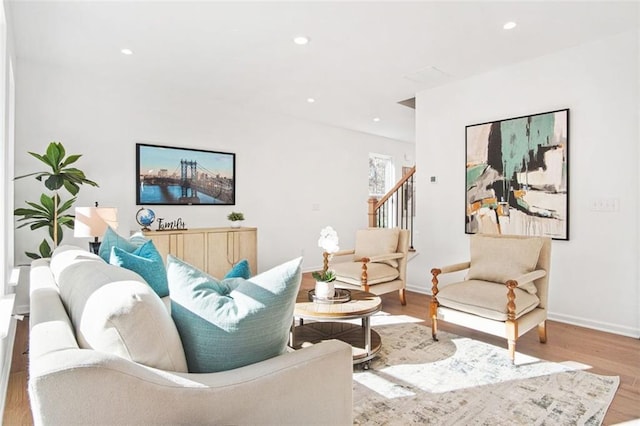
607,353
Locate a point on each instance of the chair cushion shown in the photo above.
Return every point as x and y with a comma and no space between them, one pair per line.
114,310
146,261
498,259
485,299
350,272
377,241
233,322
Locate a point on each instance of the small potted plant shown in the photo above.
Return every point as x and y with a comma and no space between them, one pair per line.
235,218
325,288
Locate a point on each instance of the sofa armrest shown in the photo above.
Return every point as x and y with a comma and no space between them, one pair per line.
78,386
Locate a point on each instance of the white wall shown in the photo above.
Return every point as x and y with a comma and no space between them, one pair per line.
6,150
284,165
594,276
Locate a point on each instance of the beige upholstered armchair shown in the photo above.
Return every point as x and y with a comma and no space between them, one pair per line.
378,263
504,292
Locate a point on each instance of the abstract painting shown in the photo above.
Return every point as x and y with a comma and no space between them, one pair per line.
517,176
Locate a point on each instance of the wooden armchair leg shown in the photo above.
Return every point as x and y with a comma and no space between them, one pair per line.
403,297
512,351
433,314
542,332
512,335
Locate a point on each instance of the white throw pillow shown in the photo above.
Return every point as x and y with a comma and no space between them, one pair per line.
114,310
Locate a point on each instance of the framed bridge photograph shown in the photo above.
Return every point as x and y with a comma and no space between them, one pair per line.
517,176
168,175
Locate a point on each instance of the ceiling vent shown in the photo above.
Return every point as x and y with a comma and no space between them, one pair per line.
429,76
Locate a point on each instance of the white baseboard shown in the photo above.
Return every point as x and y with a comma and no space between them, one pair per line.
596,325
419,289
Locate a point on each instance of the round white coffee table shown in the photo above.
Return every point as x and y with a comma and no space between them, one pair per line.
364,341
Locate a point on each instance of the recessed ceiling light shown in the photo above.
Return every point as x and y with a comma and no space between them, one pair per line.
301,40
509,25
311,100
127,51
376,119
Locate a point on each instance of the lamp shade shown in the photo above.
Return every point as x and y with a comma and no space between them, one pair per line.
93,221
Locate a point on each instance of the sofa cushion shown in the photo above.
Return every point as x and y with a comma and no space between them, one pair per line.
146,261
375,242
65,255
113,310
485,299
226,324
240,270
501,259
111,239
351,272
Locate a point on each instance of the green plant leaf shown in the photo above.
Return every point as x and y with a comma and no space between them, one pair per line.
27,212
71,159
54,155
45,249
38,207
42,158
72,187
38,225
24,176
67,221
32,255
66,205
54,182
47,202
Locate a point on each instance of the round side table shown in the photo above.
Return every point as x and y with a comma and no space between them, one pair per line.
364,341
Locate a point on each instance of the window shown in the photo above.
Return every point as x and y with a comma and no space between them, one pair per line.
381,174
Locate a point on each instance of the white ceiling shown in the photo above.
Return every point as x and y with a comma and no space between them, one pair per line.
363,58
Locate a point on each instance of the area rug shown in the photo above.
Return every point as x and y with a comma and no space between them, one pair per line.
460,381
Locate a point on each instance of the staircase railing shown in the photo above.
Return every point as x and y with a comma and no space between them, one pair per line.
397,207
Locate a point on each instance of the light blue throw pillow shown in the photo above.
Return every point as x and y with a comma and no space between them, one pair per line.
147,262
240,270
111,239
226,324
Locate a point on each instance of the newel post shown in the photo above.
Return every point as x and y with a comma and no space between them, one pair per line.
373,223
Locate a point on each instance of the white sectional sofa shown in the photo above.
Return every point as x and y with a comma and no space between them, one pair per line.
72,384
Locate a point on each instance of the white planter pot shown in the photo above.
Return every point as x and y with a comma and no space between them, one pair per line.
325,290
236,224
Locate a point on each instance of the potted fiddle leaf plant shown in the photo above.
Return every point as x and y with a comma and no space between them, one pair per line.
51,212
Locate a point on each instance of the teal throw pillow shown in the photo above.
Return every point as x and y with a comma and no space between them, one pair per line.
226,324
147,262
240,270
111,239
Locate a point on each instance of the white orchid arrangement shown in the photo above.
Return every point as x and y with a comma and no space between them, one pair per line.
328,242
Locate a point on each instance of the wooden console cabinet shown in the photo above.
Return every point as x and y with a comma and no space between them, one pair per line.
213,250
